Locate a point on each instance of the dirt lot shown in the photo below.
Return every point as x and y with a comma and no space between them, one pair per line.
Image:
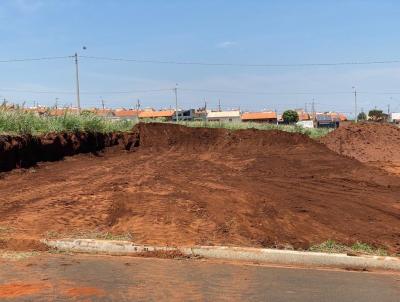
185,186
373,143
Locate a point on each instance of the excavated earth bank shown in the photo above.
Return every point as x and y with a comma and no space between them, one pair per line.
166,184
374,143
26,150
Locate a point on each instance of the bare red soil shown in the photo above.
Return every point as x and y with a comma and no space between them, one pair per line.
26,150
373,143
15,290
191,186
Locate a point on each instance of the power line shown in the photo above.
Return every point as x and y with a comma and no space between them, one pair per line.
222,91
35,59
36,91
153,61
183,89
263,92
241,64
127,91
84,92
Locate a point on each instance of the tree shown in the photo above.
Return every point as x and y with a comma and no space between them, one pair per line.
290,116
377,115
362,116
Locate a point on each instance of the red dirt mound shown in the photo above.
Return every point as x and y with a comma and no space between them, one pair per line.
26,150
190,186
161,136
378,144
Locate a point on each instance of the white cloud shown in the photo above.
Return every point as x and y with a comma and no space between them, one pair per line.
226,44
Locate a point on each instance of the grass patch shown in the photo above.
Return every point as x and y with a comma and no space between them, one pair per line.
312,133
19,121
90,235
331,246
109,236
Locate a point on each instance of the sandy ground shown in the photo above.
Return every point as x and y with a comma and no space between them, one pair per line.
202,187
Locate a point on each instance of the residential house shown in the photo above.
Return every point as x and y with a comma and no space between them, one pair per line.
305,119
303,116
260,117
326,120
184,115
59,111
395,117
107,113
126,114
306,124
200,114
231,116
157,114
280,118
338,116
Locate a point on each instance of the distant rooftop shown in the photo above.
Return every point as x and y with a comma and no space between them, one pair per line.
220,114
259,115
156,114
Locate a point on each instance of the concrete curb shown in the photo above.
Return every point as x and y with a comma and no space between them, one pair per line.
270,256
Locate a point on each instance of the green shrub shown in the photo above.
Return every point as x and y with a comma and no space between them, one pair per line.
290,117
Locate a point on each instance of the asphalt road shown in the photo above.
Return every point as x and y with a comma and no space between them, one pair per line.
105,278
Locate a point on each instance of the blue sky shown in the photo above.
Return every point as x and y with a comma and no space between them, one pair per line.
248,32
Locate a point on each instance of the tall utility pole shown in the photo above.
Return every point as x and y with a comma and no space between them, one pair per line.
138,106
102,104
176,103
355,104
78,97
219,105
313,109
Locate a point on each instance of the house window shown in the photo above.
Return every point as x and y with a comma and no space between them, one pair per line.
230,120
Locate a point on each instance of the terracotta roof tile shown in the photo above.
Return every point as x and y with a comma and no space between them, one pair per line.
125,113
303,116
259,115
155,114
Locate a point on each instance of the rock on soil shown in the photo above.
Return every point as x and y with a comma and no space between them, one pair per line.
193,186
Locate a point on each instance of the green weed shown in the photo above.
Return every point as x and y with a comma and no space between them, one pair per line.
313,133
331,246
18,121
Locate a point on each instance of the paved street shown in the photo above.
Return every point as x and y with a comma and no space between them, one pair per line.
103,278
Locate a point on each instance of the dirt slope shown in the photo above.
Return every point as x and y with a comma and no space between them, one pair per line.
26,150
184,186
373,143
